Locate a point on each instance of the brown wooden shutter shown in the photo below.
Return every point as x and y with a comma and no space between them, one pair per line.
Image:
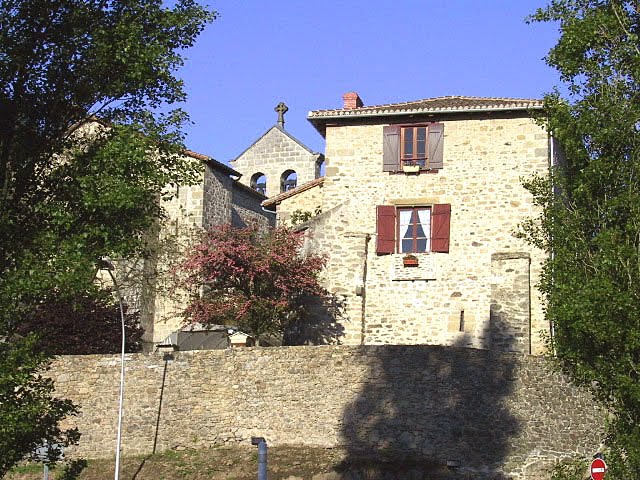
386,229
436,141
391,148
440,227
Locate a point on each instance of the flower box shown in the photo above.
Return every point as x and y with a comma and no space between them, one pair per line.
410,261
411,168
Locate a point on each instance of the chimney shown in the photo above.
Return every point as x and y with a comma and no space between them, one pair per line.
351,100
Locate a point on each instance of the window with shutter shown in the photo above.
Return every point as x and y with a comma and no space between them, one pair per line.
413,148
413,229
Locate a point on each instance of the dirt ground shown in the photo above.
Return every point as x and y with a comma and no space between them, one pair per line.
240,463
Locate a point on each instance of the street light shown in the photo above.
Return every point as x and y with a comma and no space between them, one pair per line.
105,264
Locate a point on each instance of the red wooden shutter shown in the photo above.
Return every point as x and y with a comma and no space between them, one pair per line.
440,227
391,148
386,229
436,137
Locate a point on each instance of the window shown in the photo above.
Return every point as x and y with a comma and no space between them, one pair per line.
409,146
413,229
413,146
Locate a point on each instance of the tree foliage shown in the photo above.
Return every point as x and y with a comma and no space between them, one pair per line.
87,142
70,191
29,412
255,280
590,220
88,323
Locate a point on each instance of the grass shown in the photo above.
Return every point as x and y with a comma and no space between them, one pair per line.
239,463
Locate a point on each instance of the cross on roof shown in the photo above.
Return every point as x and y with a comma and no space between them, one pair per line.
281,108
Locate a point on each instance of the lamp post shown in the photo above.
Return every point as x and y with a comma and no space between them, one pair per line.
105,264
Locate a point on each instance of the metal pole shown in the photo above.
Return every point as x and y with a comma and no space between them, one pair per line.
119,436
262,456
46,472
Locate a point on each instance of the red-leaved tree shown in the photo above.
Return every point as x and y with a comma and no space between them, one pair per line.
254,279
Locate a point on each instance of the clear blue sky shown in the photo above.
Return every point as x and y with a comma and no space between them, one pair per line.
307,53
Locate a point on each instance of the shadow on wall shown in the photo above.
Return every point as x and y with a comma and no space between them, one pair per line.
423,408
323,324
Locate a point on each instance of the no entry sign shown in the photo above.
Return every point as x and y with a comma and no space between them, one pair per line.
598,469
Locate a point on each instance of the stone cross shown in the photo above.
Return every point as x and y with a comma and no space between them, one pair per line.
281,108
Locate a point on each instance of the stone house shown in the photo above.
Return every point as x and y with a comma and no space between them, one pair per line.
219,198
420,203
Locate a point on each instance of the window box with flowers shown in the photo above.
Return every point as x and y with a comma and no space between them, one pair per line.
410,261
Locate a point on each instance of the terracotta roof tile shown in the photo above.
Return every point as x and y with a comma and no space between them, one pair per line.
438,104
290,193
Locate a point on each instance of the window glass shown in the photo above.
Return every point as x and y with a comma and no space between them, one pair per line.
408,143
414,145
414,227
421,143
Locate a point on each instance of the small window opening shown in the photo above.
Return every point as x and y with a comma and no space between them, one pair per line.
461,321
259,183
288,180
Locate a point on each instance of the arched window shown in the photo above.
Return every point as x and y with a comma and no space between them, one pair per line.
288,180
259,183
320,167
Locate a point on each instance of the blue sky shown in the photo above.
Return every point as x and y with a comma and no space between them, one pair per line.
307,53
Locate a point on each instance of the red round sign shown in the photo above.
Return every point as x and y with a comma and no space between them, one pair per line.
598,469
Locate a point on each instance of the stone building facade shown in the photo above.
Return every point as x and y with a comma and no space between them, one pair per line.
436,183
278,162
218,199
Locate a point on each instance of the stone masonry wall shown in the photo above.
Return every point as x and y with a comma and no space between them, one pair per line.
485,160
217,194
510,310
306,201
184,212
246,209
272,154
482,409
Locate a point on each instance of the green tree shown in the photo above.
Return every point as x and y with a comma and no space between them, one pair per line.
29,412
590,221
74,188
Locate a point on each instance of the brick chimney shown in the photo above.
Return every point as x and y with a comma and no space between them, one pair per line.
352,100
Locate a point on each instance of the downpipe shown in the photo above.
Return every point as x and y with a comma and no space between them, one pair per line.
262,456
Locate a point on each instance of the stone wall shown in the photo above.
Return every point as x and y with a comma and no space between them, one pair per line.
246,208
217,198
273,154
309,200
485,159
482,409
160,315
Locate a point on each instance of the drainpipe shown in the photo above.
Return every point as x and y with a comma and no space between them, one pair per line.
262,456
367,237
